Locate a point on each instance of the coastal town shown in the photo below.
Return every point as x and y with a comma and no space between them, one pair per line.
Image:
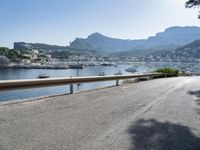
43,57
37,60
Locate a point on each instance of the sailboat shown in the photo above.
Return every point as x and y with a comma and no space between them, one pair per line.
43,75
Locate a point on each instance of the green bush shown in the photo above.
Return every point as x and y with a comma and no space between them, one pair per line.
169,72
9,53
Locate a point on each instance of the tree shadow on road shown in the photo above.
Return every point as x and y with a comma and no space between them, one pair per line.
154,135
197,95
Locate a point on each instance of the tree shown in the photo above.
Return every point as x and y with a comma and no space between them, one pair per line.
193,4
9,53
3,61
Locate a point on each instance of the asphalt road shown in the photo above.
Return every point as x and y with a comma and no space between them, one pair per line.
162,114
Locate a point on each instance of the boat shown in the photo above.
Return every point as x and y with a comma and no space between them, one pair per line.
91,64
76,66
132,69
118,73
106,64
101,74
43,75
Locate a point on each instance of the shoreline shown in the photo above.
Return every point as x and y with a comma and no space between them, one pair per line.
37,67
124,83
72,66
31,99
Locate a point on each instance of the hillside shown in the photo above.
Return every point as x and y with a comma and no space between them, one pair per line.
187,53
9,53
26,46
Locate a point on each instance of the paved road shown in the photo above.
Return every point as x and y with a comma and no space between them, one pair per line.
161,114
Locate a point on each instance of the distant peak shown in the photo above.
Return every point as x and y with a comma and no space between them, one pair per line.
96,34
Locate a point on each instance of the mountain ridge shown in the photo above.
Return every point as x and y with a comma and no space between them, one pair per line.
171,38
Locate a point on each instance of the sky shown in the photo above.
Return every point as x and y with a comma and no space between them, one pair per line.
61,21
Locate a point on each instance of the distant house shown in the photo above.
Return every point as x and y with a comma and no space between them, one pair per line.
33,51
27,55
3,61
25,61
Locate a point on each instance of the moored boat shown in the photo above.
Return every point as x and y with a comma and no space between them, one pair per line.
118,73
101,74
132,69
43,75
76,66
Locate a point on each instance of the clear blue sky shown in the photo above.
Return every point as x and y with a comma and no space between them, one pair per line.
61,21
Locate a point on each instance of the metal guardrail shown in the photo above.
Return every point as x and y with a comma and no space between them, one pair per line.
38,83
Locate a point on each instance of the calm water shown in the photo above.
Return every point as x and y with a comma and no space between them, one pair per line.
8,74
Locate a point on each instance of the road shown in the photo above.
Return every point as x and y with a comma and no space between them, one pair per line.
162,114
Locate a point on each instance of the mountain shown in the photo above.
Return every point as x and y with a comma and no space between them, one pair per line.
171,38
99,42
188,53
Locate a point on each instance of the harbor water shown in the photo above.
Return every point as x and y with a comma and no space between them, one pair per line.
10,74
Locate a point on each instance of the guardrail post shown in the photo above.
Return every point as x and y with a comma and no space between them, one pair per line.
117,82
151,77
71,89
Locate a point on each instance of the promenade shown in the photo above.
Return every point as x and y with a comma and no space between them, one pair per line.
161,114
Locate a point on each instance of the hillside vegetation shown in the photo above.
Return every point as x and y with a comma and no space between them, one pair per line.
188,53
9,53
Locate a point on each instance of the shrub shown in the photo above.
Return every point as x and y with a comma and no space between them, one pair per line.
169,72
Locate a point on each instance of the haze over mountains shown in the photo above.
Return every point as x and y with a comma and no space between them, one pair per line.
170,39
